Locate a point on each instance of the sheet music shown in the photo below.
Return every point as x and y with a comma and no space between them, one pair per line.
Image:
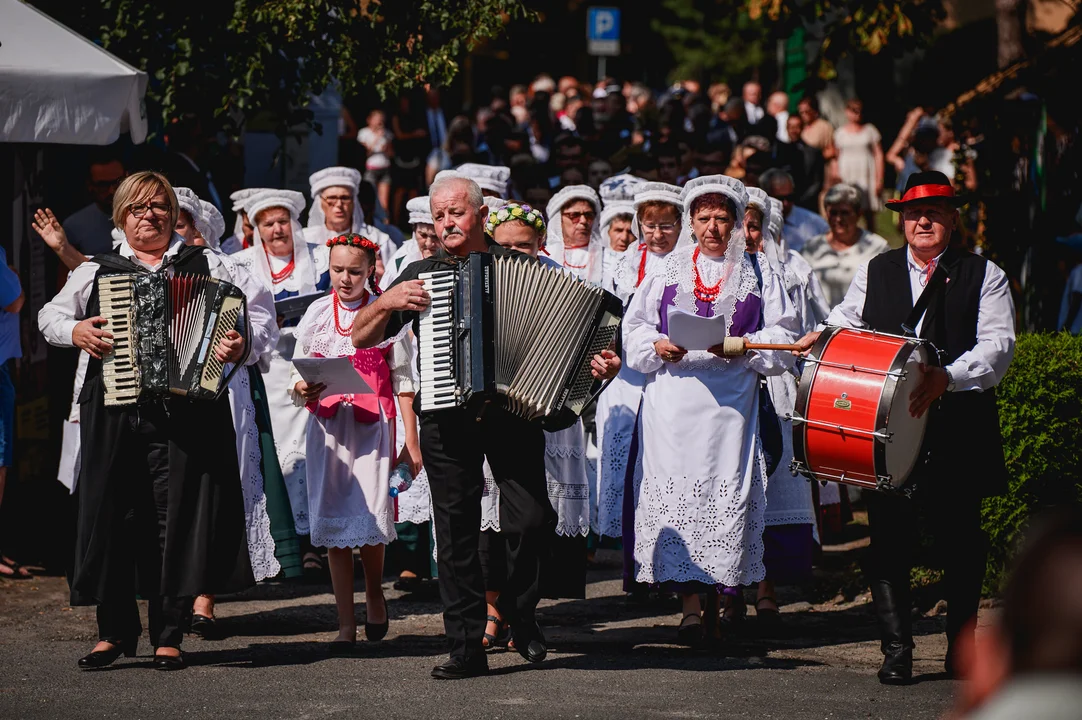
693,332
338,374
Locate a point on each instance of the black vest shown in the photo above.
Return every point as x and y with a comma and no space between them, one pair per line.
963,440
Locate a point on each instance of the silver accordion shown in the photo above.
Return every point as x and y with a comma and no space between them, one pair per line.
503,329
164,332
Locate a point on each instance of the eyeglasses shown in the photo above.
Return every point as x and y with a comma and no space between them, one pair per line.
140,209
663,228
840,212
783,198
588,216
337,199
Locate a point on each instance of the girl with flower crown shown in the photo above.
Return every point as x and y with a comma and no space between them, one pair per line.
350,438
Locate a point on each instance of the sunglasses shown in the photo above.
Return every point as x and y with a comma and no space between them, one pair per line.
576,216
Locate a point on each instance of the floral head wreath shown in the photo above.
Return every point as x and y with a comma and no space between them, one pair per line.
353,240
515,211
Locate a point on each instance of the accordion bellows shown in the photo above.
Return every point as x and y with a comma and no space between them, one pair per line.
164,332
500,326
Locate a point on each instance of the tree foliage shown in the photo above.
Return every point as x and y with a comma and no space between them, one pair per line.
242,57
709,38
727,37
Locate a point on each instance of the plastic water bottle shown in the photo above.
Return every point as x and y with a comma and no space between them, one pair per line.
401,479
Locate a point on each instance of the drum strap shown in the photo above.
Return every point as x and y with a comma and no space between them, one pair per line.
939,277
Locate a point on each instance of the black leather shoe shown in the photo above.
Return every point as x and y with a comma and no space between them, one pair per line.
460,668
376,631
169,662
204,627
530,642
104,658
897,668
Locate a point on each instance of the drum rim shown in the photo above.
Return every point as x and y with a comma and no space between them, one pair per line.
803,393
886,400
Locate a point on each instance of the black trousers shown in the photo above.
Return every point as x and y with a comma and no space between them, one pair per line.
146,494
454,445
954,520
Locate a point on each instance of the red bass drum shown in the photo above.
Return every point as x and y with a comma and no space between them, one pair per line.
851,422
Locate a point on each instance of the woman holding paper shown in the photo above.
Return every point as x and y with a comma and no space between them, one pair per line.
350,439
699,517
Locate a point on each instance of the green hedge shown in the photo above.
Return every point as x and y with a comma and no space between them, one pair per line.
1040,412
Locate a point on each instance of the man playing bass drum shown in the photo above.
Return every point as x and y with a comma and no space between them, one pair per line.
969,318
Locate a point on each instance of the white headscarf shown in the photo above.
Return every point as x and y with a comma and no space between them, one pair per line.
494,203
735,192
189,202
240,199
308,265
420,211
617,198
594,270
494,178
212,226
666,193
334,177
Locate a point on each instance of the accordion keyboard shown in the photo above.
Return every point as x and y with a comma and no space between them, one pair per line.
436,342
119,371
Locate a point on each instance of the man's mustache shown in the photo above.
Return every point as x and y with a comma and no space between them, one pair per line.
453,230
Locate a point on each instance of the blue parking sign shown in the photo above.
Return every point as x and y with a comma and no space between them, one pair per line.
603,31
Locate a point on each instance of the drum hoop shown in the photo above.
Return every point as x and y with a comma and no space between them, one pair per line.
803,395
886,399
867,331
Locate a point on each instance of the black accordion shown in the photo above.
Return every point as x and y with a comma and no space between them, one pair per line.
164,332
504,329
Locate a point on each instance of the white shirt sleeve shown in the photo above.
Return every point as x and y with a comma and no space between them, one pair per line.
780,326
849,312
261,314
985,365
640,325
58,318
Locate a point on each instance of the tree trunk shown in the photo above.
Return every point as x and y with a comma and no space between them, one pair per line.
1009,26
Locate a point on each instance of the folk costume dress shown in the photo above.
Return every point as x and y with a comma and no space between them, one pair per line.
618,407
273,545
350,439
305,272
699,515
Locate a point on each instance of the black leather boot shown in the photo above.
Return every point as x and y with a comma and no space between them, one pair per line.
892,613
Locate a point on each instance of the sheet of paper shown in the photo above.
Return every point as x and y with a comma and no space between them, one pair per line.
338,374
692,332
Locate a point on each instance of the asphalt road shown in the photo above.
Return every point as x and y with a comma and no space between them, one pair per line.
609,658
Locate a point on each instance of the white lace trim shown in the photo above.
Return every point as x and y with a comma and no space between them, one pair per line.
718,545
257,523
738,282
355,531
317,334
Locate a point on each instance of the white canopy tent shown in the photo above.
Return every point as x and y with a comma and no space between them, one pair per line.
58,87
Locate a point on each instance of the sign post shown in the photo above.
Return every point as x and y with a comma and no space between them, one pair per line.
603,35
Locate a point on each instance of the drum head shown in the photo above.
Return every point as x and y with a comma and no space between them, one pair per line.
907,432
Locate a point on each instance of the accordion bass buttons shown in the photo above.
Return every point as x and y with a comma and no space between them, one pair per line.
436,343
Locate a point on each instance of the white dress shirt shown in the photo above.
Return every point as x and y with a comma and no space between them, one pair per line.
58,318
977,369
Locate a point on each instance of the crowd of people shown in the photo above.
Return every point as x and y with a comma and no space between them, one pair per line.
689,202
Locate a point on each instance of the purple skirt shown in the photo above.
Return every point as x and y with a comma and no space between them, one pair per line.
787,553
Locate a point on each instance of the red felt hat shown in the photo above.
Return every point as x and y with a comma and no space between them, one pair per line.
926,186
